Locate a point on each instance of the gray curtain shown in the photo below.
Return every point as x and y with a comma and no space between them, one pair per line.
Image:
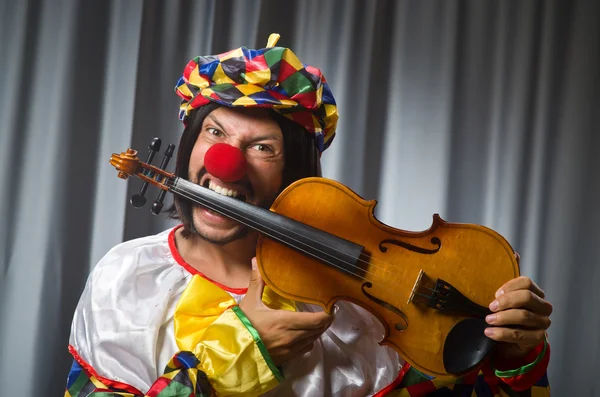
483,111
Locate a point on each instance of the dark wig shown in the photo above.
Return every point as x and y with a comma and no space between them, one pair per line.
300,153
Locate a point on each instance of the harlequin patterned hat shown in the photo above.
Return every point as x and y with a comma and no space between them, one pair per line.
271,77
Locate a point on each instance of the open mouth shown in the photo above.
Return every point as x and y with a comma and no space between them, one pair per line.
224,191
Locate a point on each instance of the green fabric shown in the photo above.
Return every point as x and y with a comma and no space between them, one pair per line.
274,56
261,346
176,389
413,377
525,368
80,382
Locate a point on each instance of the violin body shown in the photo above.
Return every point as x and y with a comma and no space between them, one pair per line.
394,269
321,243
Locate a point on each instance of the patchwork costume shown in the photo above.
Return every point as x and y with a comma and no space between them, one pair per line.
148,324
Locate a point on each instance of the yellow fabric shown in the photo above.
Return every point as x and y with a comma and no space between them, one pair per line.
237,53
540,391
228,355
219,76
273,39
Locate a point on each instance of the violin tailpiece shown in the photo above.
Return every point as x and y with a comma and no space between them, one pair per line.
443,296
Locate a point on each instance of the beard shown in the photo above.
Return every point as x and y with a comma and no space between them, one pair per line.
240,231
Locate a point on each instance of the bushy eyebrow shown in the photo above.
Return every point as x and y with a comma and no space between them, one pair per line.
210,116
266,137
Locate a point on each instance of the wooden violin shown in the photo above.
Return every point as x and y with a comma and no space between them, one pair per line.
429,289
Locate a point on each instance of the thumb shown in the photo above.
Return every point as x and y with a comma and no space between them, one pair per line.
256,285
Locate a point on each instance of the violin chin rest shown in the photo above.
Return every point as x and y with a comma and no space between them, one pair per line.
466,346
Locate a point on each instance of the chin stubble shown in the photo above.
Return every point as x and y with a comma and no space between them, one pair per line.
240,232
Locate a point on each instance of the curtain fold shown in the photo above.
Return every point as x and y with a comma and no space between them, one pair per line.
484,112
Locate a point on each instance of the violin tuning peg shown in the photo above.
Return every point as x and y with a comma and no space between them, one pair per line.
138,200
154,145
158,203
170,150
166,158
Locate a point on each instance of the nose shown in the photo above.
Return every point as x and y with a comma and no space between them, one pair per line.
225,162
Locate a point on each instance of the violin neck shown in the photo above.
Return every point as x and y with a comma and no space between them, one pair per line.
328,248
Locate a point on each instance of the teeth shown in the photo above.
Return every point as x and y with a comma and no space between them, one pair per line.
221,190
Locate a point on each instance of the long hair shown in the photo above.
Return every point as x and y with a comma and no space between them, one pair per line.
301,158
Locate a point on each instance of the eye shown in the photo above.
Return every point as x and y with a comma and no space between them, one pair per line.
214,132
263,148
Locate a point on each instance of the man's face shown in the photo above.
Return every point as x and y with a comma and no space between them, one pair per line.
260,139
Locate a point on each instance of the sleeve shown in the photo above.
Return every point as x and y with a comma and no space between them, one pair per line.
234,358
230,359
529,379
524,374
181,378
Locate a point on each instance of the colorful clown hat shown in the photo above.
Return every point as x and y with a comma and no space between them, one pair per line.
271,77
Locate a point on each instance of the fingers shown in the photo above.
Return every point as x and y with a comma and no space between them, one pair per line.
520,314
520,318
306,348
307,320
515,335
520,283
523,298
256,285
295,350
304,345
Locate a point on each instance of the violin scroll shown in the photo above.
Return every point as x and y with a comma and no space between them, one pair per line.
128,164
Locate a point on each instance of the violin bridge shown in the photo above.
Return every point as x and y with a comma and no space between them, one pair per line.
416,287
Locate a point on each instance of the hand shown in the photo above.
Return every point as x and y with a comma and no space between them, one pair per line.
520,319
285,334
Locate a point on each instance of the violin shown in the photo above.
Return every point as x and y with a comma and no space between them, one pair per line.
429,289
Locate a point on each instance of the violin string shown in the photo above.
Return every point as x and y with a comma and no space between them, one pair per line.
192,196
373,264
430,297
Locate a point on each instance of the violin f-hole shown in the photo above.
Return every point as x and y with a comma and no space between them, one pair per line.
400,326
421,250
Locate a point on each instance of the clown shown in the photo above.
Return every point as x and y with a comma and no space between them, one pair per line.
186,313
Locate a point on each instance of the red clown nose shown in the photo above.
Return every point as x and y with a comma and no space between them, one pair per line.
225,162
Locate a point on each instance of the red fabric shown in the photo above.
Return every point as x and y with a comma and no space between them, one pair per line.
421,389
315,71
189,68
158,386
527,380
307,99
285,70
200,101
395,383
258,63
108,382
